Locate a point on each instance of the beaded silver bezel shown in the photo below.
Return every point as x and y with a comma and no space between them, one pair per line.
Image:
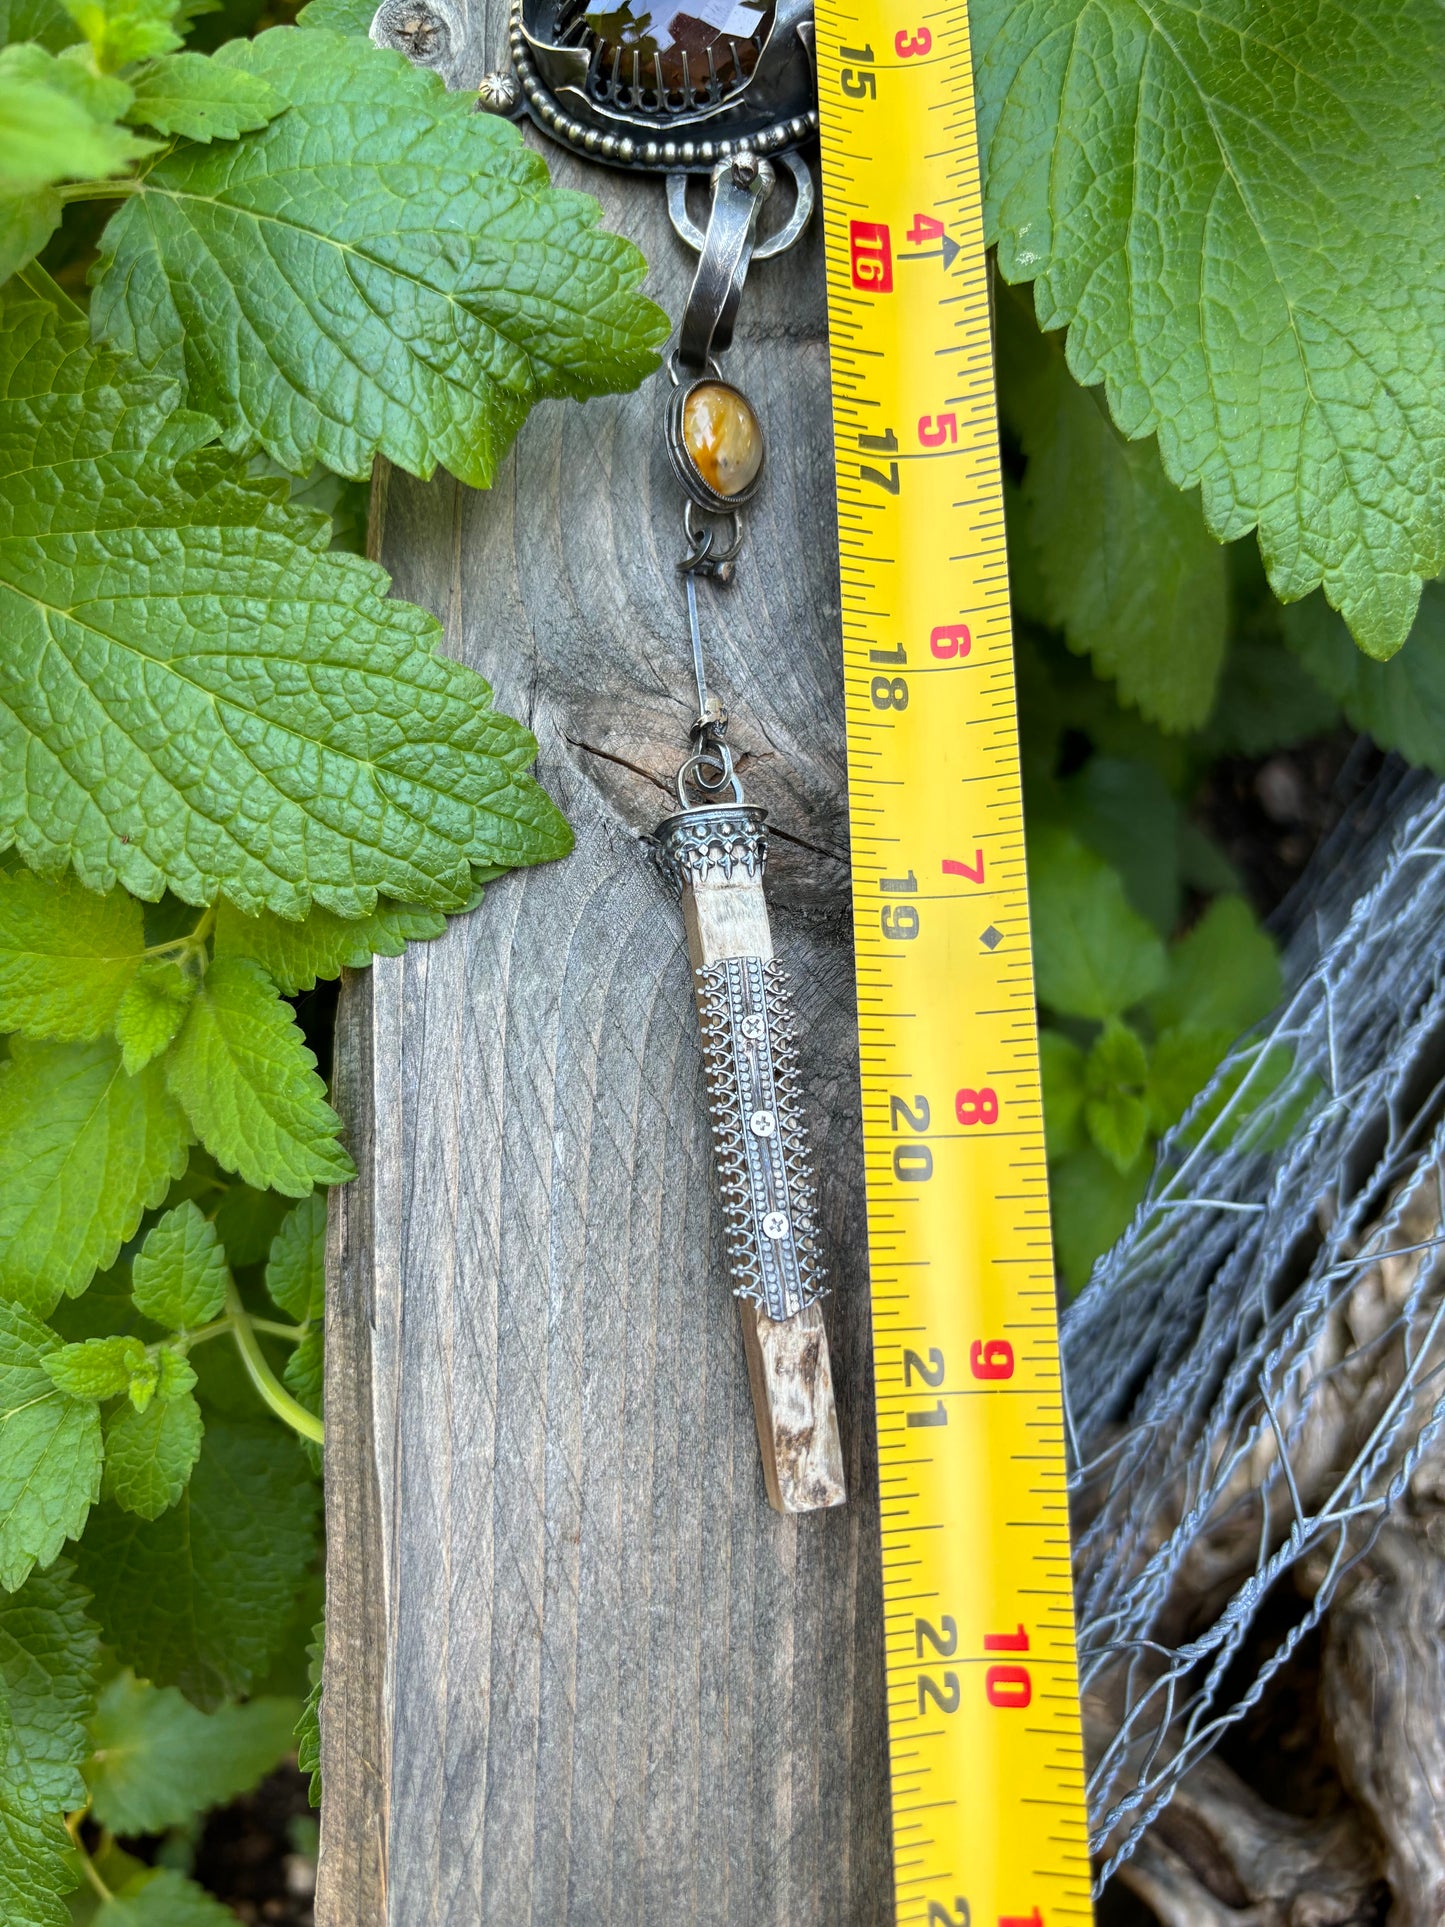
644,151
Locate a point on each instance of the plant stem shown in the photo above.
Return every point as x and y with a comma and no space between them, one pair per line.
272,1391
88,1866
192,940
273,1328
97,190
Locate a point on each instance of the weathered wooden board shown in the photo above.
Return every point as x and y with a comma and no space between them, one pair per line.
577,1669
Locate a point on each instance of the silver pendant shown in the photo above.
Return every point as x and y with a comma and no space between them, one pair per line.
701,94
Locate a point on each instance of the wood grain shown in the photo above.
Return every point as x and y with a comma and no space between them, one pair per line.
578,1670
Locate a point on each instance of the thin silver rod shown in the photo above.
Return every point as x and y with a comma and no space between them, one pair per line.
699,673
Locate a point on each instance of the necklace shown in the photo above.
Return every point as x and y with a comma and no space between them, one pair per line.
727,91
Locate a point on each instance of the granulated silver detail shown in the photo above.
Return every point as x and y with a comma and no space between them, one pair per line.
715,840
765,1175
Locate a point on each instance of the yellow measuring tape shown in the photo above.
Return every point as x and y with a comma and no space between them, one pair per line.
983,1710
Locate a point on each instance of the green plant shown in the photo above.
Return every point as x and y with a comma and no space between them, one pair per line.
230,765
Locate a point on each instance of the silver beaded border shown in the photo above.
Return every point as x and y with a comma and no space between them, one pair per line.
623,150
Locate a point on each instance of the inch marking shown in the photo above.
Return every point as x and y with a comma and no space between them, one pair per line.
965,1350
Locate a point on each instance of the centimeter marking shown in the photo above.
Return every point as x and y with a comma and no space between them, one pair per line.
989,1822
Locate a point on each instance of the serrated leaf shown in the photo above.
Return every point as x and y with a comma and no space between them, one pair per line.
192,95
179,1274
149,1454
1401,703
120,31
1094,956
194,692
1092,1203
57,121
49,1452
152,1010
175,1375
49,1659
308,1727
84,1150
294,955
164,1899
66,956
36,1864
1116,1075
249,1085
159,1762
1122,561
1223,976
200,1597
1237,217
381,270
296,1268
95,1368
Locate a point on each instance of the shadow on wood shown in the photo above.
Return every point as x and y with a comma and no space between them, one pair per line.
578,1670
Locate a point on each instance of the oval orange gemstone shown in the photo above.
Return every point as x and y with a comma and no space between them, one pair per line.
721,434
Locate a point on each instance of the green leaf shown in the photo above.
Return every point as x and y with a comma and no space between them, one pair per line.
1401,703
57,121
1094,956
95,1368
295,955
381,270
1061,1073
49,1659
339,16
27,222
249,1085
1181,1064
175,1375
1123,810
152,1010
66,956
1224,976
49,1656
1122,561
195,692
120,31
200,1597
1116,1077
1092,1204
49,1451
247,1221
192,95
1236,213
308,1727
44,20
149,1454
84,1150
179,1274
164,1899
36,1863
296,1270
159,1762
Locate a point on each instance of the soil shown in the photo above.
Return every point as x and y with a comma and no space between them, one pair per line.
259,1854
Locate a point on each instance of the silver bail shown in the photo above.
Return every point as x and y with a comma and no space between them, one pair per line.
739,188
